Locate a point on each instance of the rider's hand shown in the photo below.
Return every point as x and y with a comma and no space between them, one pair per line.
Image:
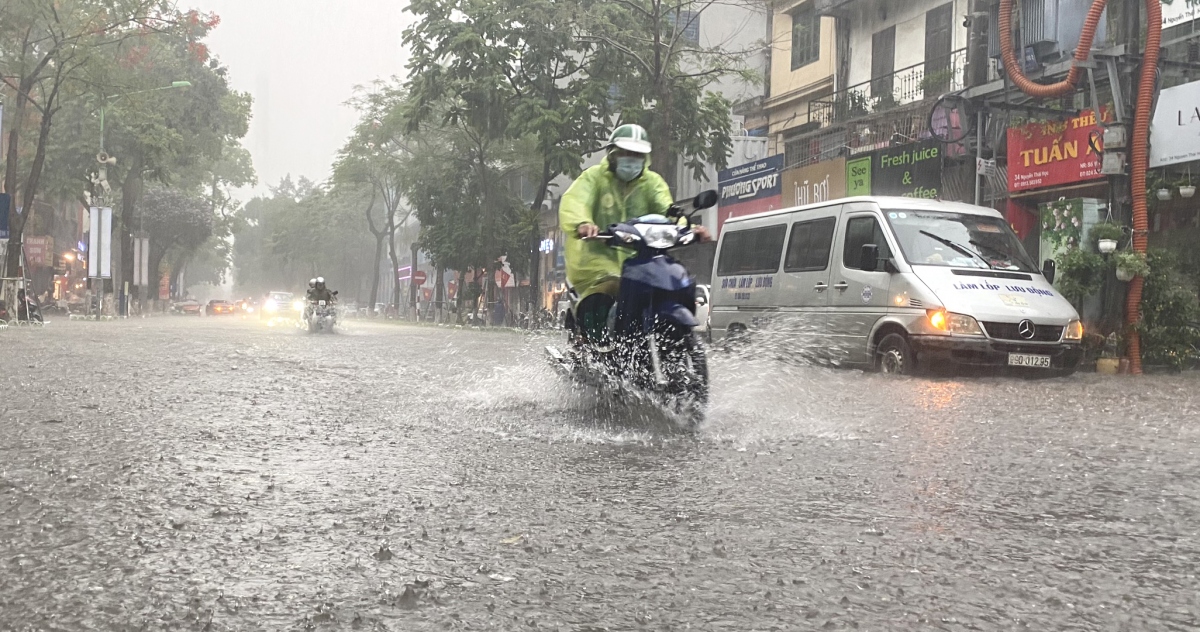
702,233
587,230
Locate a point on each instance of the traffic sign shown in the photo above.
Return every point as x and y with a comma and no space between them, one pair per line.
419,277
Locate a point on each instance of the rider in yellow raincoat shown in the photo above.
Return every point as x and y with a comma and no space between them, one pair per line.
621,187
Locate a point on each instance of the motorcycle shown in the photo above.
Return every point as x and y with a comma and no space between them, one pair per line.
319,315
648,346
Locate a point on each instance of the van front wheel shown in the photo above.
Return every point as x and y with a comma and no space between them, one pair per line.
894,356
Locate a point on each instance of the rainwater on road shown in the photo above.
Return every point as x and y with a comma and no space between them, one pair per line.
208,474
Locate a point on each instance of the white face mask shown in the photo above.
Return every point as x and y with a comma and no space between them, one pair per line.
629,168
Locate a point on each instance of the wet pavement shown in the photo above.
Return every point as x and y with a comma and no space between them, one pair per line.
209,474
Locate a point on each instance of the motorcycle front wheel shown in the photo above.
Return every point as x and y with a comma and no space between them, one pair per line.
685,365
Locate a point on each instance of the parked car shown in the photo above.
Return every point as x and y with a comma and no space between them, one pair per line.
187,307
219,307
247,306
896,284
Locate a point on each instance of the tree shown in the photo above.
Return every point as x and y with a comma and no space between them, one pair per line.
660,77
45,47
177,224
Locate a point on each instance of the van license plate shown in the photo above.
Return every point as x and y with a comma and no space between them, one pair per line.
1024,359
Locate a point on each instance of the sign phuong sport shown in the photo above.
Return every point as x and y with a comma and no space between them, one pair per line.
1054,153
750,188
1175,131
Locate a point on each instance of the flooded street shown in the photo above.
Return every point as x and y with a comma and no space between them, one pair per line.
209,474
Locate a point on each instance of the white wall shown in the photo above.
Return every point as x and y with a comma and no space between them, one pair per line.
908,17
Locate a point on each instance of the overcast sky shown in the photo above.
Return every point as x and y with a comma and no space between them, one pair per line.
300,60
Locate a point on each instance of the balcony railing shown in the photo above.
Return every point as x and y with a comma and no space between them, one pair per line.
927,80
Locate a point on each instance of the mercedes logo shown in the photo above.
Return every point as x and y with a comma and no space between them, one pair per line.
1026,329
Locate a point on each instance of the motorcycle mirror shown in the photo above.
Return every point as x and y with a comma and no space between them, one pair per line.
335,292
706,199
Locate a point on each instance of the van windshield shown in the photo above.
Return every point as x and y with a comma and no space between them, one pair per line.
958,240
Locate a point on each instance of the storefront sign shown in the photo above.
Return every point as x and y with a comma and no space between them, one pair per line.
858,176
39,251
1176,12
1053,153
750,188
908,171
1175,132
820,182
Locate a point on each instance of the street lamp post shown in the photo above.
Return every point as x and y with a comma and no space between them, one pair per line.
105,160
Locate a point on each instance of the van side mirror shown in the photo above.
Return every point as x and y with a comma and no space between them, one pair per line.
706,199
870,258
1048,269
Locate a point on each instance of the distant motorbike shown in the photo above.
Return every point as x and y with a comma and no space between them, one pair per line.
649,346
319,315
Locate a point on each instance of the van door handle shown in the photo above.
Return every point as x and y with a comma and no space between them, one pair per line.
820,287
843,286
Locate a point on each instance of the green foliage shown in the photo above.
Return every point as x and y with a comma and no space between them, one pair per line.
1132,262
1170,312
1080,274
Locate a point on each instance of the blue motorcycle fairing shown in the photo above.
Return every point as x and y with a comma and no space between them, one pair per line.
678,314
658,271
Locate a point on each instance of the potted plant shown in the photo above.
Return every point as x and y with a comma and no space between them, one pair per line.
1109,363
1106,237
1130,264
1157,187
1186,188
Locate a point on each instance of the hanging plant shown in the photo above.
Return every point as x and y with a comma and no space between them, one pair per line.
1130,264
1106,232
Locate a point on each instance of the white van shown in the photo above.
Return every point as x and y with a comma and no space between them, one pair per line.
897,284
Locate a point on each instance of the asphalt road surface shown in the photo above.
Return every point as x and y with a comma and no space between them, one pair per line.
219,474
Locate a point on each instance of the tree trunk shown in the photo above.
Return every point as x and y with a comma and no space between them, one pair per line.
395,259
131,194
28,192
375,269
412,282
439,293
535,241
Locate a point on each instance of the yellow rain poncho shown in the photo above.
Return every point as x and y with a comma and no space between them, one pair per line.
598,197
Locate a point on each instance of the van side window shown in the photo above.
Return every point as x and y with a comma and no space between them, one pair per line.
808,251
861,231
754,251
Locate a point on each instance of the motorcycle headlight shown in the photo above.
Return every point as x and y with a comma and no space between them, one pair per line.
1074,331
298,305
660,236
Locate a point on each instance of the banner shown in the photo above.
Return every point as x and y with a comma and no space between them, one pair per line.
754,187
39,251
1053,153
1176,12
1175,131
815,183
913,171
141,261
5,205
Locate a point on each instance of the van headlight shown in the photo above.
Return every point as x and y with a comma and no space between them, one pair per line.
952,323
1074,331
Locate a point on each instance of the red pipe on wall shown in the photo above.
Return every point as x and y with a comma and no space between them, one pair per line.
1141,128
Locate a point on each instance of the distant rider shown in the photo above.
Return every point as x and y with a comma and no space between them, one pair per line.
620,188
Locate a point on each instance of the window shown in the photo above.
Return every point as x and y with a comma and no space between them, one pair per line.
688,22
806,38
883,63
861,231
809,249
754,251
939,38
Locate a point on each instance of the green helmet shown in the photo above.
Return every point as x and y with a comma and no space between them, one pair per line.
630,138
